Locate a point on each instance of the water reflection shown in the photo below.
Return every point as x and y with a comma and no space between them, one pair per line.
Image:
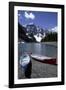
37,48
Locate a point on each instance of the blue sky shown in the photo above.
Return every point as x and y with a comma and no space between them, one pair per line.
42,19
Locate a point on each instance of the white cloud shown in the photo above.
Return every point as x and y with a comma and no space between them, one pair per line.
29,15
55,29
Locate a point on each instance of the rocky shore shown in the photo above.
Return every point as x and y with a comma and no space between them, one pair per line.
39,70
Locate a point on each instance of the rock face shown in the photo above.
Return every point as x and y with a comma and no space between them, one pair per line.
22,35
31,28
33,33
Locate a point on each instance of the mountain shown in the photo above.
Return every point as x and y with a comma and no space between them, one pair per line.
33,33
22,34
31,28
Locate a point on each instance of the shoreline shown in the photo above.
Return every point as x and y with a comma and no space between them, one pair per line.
51,43
39,70
48,43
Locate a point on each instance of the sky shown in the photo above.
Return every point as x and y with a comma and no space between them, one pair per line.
47,20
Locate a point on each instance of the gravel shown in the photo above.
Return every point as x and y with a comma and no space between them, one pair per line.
39,70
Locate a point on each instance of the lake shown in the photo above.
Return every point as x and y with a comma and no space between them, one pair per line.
38,48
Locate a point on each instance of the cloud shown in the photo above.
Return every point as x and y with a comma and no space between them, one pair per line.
29,15
55,29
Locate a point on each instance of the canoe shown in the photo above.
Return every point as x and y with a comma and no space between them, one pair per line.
24,60
44,59
40,57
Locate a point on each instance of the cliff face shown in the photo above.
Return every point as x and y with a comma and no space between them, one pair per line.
22,34
32,36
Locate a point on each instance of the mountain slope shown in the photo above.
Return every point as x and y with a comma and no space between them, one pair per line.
22,34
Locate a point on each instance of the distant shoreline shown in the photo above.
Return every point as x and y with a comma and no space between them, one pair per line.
48,43
51,43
